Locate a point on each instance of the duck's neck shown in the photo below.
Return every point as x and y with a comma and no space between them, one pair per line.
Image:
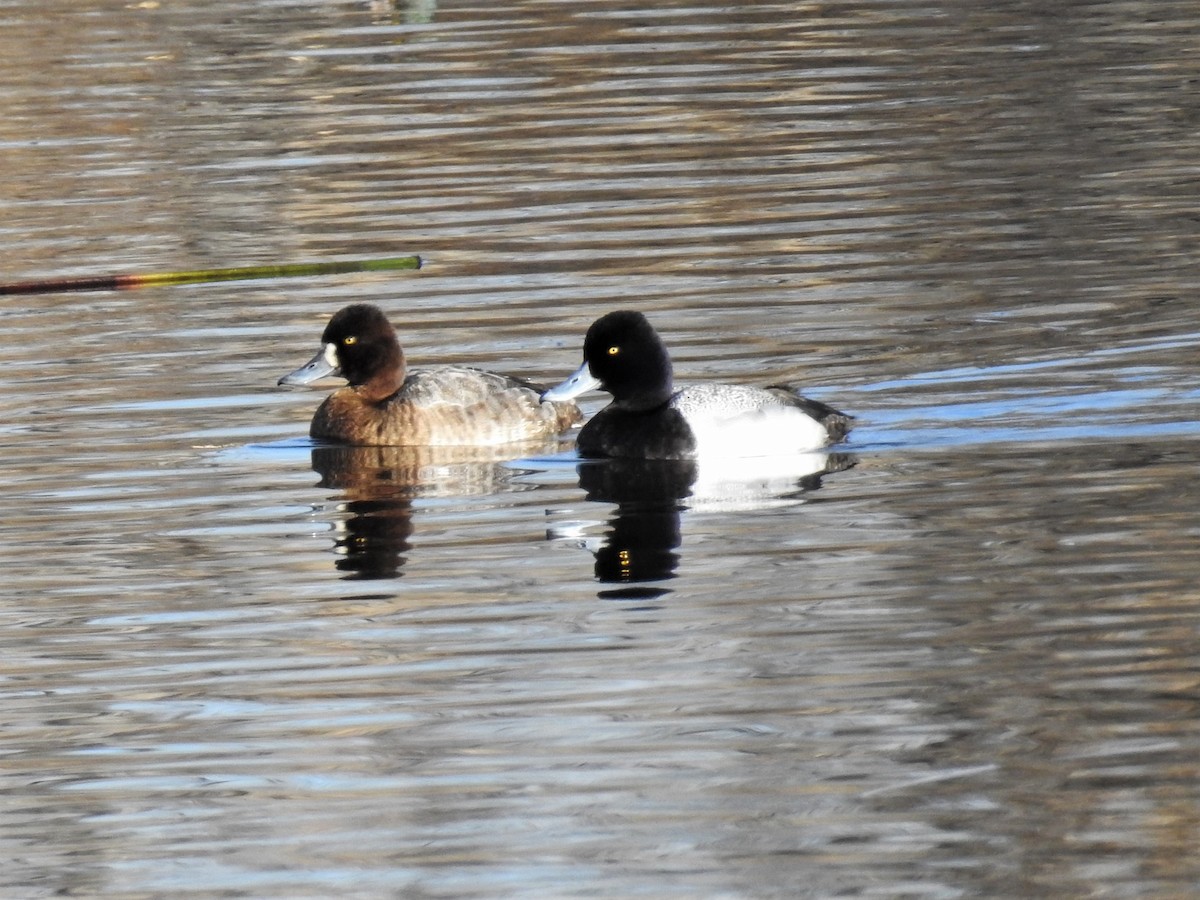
386,381
645,401
651,388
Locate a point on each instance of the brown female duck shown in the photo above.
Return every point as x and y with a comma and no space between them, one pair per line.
386,405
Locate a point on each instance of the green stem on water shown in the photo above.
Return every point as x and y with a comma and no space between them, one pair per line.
202,276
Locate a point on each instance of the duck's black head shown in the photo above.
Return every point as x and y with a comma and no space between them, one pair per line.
360,345
625,354
365,347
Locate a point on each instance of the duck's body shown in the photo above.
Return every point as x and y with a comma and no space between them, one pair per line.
649,419
385,405
443,406
714,420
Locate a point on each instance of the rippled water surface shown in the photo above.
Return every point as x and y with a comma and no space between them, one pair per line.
956,658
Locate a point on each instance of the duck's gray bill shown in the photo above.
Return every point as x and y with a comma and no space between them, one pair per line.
320,366
580,383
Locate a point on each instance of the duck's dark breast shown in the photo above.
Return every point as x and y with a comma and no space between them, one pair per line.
659,434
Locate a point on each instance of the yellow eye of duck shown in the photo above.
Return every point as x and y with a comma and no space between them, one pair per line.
349,340
613,351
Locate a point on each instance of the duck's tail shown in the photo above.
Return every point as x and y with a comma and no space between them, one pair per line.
836,422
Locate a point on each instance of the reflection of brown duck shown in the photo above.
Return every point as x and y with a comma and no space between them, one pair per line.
378,486
384,404
644,531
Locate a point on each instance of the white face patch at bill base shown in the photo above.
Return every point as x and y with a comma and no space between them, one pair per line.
322,365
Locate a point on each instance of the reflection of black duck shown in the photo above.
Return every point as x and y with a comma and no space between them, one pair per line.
638,480
704,485
379,485
644,531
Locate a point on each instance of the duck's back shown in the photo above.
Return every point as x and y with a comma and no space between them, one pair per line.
737,420
715,420
445,406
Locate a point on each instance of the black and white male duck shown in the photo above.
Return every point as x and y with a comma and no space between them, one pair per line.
649,418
